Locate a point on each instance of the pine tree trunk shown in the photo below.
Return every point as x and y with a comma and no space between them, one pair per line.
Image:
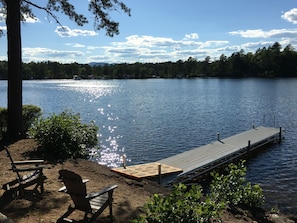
14,93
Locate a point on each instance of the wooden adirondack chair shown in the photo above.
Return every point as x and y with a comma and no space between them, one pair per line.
29,173
92,204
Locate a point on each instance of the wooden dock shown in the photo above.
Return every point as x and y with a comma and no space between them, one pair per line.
191,164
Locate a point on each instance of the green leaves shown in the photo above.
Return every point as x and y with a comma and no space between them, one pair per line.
183,204
63,136
101,10
66,8
189,204
233,188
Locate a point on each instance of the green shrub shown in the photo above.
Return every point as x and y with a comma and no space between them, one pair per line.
30,114
191,205
233,188
63,136
182,205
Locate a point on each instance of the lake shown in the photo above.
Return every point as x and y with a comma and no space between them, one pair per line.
151,119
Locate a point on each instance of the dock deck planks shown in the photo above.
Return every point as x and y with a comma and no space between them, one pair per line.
146,170
190,161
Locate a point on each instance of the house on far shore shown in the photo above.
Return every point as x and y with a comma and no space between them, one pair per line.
76,77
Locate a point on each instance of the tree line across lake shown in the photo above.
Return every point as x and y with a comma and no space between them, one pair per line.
272,61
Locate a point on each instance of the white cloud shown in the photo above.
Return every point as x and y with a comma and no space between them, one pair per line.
29,19
212,44
146,41
157,49
191,36
164,42
2,16
249,33
259,33
75,45
45,54
93,47
291,16
65,31
256,45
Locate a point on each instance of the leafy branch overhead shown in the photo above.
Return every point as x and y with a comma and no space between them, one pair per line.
99,8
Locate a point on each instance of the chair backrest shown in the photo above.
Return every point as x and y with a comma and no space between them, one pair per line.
76,189
14,169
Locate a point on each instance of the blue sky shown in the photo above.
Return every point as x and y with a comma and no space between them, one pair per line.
161,30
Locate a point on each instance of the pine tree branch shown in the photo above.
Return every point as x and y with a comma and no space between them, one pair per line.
46,10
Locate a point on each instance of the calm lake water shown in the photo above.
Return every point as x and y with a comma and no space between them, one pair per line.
148,120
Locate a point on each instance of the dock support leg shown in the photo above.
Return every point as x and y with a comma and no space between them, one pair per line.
159,173
280,134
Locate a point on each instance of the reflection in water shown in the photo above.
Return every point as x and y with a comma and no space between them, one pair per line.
94,92
110,151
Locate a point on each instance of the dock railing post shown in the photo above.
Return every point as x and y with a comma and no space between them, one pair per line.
249,147
218,136
124,161
159,173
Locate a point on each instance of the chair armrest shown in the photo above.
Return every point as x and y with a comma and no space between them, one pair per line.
27,162
40,168
64,189
103,191
27,165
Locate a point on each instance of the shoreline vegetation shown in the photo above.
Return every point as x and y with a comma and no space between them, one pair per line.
272,61
129,197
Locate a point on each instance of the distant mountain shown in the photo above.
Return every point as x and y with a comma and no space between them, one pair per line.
93,64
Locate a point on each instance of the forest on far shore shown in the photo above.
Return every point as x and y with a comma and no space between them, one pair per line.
272,61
